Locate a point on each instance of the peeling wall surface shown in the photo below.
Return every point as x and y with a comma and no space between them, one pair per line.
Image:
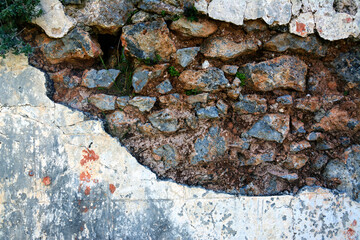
63,177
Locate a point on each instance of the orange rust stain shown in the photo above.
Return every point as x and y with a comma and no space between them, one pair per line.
87,191
300,27
85,176
85,209
46,180
89,155
354,223
112,188
350,233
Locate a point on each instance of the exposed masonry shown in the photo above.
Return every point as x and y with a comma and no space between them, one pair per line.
248,109
63,177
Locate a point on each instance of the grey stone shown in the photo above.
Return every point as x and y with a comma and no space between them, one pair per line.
144,74
188,28
222,106
160,6
120,123
100,79
347,66
314,136
295,161
144,104
166,121
259,158
320,162
337,170
298,126
324,145
286,41
164,87
167,154
66,2
185,56
103,102
299,146
142,16
210,112
209,147
230,69
285,100
272,127
198,98
122,102
252,104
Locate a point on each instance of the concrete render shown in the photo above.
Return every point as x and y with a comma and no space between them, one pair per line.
63,177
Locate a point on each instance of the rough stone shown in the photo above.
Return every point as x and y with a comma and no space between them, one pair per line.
144,104
148,41
167,154
209,147
298,126
285,100
119,122
352,161
202,28
54,21
252,104
222,106
255,25
303,25
99,79
314,136
324,145
320,162
67,2
210,112
76,45
347,66
311,104
122,102
208,80
226,50
286,41
170,7
63,77
337,120
142,16
259,158
299,146
103,102
282,72
230,69
185,56
272,127
198,98
227,10
164,87
277,12
336,171
295,161
143,74
106,16
165,120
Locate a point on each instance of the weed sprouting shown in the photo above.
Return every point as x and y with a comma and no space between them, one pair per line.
193,92
242,78
191,13
173,72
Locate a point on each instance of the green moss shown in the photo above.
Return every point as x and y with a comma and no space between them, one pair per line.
191,13
173,72
242,78
192,92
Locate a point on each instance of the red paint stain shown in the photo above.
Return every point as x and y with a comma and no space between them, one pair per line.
354,223
85,176
112,188
31,173
350,233
46,180
87,191
85,209
89,155
348,20
300,27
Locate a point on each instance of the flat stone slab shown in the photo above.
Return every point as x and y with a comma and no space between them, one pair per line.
63,176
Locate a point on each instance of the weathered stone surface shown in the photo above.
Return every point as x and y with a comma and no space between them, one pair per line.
303,25
337,120
299,146
170,7
54,21
210,146
147,40
103,102
165,120
63,77
122,101
164,87
222,106
252,104
347,66
66,2
311,104
185,56
281,72
76,45
208,113
144,104
285,100
320,162
143,74
102,78
142,16
167,154
202,28
124,196
255,25
230,69
298,126
106,16
259,158
198,98
119,122
211,79
314,136
227,10
296,161
272,127
225,49
286,41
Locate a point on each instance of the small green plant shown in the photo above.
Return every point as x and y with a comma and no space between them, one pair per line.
13,14
242,78
191,13
173,72
346,92
192,92
163,13
175,17
150,62
128,20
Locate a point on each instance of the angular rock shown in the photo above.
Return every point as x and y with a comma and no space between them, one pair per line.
201,6
122,102
63,77
167,154
103,102
142,16
286,41
282,72
285,100
311,104
222,106
276,12
202,28
337,171
144,104
337,120
347,66
185,56
228,10
210,112
77,2
320,162
230,69
147,129
169,7
198,98
258,158
314,136
102,78
272,127
164,87
209,147
106,16
252,104
148,41
295,161
208,80
352,161
324,145
299,146
303,25
54,21
143,74
298,126
119,122
76,45
166,121
226,49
